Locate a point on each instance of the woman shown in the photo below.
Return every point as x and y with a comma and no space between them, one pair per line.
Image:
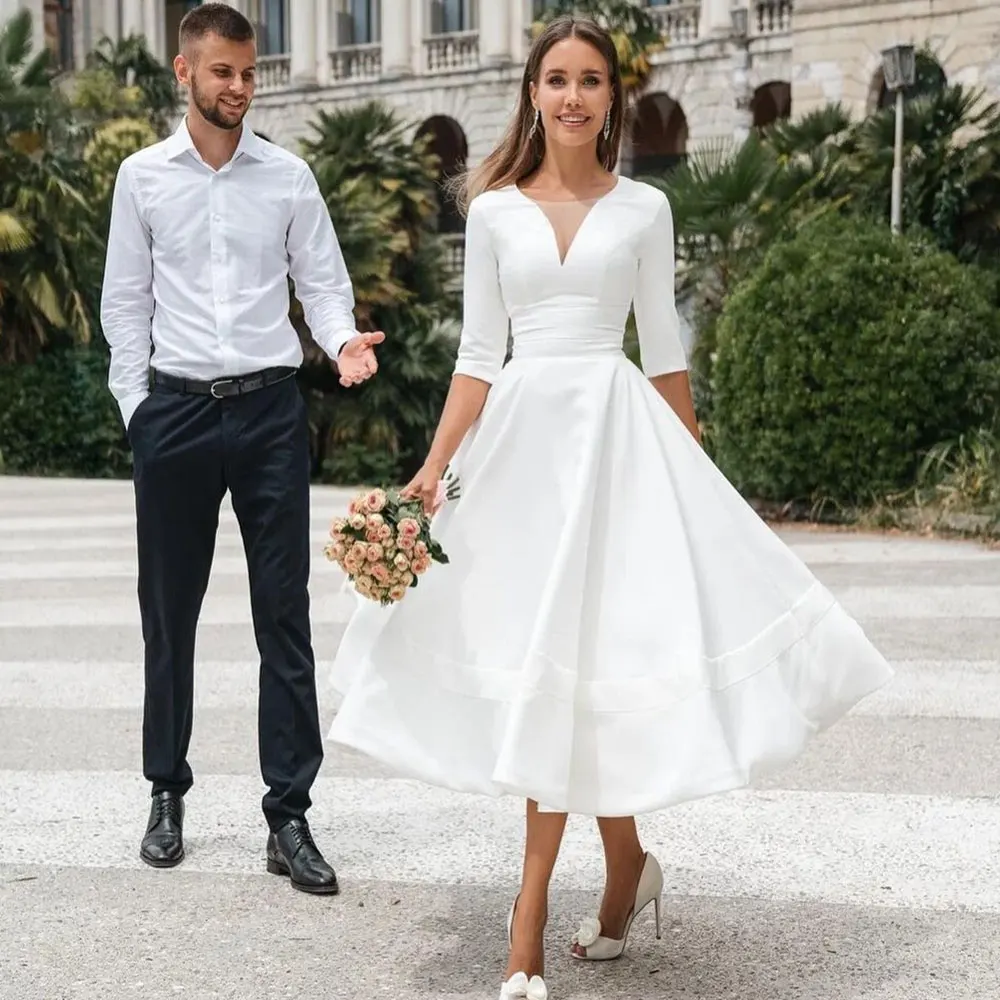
617,631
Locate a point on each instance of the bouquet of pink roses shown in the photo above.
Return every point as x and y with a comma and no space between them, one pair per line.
384,544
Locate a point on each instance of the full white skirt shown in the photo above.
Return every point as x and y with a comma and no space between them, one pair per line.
617,630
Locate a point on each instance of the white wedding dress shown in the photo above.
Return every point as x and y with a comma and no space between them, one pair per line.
617,630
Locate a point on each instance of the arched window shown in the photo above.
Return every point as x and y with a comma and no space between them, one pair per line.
660,135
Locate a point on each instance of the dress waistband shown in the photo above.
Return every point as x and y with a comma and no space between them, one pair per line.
563,347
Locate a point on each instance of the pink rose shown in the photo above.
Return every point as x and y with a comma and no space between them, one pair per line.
406,579
384,532
397,592
420,566
375,501
337,525
375,520
358,522
406,543
401,562
420,549
360,551
381,572
374,552
408,528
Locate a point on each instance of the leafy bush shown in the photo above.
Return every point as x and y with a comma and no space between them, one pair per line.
379,187
378,433
846,355
57,417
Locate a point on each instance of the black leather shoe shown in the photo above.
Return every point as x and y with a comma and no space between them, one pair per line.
163,845
291,852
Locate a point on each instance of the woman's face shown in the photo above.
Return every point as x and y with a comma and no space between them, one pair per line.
573,93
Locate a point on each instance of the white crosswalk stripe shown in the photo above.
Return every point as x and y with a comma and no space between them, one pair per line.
847,860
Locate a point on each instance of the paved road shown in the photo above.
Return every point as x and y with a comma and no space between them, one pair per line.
869,869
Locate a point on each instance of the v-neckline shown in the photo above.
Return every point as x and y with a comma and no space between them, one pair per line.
552,229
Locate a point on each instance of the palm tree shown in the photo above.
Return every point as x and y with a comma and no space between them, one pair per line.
380,190
952,160
48,247
132,64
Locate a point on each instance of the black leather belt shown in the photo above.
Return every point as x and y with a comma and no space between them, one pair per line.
221,388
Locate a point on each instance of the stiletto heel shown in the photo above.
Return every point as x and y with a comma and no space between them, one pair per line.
519,986
603,949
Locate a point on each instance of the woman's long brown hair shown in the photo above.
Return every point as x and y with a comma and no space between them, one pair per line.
520,153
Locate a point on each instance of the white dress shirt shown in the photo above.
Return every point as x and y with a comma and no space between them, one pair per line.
195,281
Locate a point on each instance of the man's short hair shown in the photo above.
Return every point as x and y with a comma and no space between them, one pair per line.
214,19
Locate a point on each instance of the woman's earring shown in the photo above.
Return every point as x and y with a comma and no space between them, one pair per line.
534,124
607,125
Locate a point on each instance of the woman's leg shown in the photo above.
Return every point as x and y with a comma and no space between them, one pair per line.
623,861
542,839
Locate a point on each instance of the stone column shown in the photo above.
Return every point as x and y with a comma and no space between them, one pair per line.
303,42
397,38
153,17
494,32
715,18
108,21
132,19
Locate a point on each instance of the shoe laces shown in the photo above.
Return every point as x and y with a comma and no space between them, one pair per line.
168,807
302,836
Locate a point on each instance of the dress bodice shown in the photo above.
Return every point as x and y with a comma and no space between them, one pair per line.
621,254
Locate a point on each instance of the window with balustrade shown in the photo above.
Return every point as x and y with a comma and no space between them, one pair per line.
270,21
451,17
358,51
359,23
58,25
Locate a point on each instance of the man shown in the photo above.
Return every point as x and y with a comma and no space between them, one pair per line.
206,227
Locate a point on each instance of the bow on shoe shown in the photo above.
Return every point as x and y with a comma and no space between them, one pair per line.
589,933
519,987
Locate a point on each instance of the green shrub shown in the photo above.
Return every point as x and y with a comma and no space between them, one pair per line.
57,417
846,355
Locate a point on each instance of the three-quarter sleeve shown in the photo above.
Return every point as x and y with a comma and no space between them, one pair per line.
656,319
483,342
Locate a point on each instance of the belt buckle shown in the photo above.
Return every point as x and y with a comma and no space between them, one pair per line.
220,381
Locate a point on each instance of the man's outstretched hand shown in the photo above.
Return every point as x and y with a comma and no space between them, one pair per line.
356,361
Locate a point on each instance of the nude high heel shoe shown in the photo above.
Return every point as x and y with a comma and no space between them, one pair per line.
603,949
519,986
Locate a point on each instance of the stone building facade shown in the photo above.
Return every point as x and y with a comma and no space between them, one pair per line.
452,67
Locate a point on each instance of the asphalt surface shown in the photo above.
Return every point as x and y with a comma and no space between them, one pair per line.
870,868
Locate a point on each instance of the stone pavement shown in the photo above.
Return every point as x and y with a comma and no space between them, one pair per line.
869,869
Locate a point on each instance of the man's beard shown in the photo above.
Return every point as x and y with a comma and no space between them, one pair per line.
213,113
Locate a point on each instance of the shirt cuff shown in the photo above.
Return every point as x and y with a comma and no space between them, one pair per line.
338,341
130,403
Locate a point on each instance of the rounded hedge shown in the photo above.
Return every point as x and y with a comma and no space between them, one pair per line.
843,357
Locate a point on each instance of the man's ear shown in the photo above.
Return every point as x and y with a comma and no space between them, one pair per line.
182,68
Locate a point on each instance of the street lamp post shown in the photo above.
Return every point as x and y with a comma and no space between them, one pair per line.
900,71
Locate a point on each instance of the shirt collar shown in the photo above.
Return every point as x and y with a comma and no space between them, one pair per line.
250,143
